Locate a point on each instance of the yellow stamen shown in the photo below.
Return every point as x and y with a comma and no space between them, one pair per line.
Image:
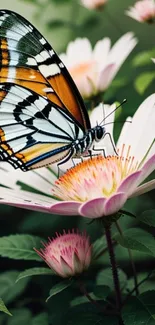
96,177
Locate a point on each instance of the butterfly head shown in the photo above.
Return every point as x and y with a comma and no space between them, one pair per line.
99,132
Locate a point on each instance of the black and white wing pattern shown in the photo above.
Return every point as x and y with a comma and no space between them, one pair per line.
41,109
34,131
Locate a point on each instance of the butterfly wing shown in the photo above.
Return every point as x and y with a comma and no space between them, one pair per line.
27,59
33,131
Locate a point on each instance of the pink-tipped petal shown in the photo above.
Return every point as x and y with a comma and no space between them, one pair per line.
77,265
26,200
115,203
93,209
63,253
130,183
66,269
37,202
69,208
147,187
88,257
29,206
105,77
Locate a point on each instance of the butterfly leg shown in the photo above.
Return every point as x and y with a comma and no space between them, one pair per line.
73,162
103,150
112,142
99,149
90,153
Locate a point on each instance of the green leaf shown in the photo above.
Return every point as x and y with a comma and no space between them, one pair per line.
9,290
140,310
20,247
89,22
147,284
60,1
148,217
57,23
101,291
4,308
78,301
57,288
35,271
137,239
99,246
105,278
143,58
20,316
116,84
90,318
143,81
41,319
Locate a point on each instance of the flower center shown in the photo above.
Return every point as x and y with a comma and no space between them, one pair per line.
82,69
145,9
96,177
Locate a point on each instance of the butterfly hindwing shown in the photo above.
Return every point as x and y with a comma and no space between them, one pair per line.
33,131
28,60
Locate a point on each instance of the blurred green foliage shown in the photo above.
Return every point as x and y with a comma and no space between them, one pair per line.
62,21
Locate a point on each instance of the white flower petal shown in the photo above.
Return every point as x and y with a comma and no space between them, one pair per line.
99,65
101,51
149,186
9,176
124,132
79,51
26,200
40,179
140,139
93,4
105,77
120,51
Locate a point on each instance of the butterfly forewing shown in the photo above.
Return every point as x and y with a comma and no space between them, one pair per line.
33,131
41,110
27,59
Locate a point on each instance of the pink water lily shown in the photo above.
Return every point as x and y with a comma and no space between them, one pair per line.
94,69
93,4
98,186
142,11
68,254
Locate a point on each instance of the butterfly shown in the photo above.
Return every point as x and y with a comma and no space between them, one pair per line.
43,118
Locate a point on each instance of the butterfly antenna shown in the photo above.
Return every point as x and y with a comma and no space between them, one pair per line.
118,122
123,102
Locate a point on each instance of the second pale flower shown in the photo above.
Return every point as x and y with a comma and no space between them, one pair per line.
94,69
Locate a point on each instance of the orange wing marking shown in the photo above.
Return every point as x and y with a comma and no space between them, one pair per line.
63,90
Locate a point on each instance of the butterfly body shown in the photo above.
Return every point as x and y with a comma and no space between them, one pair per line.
43,118
81,146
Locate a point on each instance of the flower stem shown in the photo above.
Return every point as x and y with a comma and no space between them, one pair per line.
86,294
114,22
95,303
131,260
114,267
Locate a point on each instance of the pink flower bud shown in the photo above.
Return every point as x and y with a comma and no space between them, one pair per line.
68,254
